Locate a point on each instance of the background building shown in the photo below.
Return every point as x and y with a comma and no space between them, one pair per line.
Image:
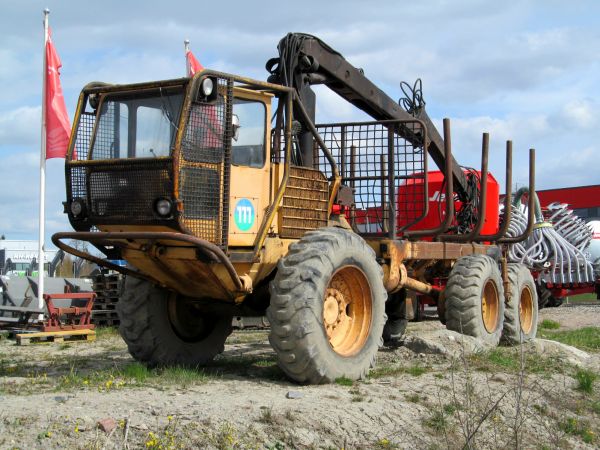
583,200
19,255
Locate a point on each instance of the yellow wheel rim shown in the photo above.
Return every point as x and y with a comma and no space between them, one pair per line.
526,310
490,305
347,310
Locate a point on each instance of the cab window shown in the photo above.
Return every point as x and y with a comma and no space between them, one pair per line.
248,143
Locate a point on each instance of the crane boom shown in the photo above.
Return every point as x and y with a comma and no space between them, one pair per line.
305,60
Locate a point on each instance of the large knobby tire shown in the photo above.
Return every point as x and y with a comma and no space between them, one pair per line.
474,299
521,312
327,308
162,330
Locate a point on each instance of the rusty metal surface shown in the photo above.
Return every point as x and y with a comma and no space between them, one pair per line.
203,167
422,250
468,237
149,240
375,160
305,203
449,181
507,200
397,252
530,206
75,312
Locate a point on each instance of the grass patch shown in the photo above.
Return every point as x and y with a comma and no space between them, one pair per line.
390,371
548,324
589,297
587,338
574,427
585,380
136,371
248,337
106,332
266,415
508,359
437,421
343,381
182,376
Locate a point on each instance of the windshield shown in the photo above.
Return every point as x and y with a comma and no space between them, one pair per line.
137,125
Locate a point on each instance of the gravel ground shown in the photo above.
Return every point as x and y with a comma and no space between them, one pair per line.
573,317
430,394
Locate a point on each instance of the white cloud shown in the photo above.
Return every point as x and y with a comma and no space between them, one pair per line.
18,127
523,71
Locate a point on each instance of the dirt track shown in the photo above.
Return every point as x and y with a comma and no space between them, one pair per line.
52,396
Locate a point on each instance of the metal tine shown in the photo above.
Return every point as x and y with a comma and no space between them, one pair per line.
485,147
443,227
507,200
530,205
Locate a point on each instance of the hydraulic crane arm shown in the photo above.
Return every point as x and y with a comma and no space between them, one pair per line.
305,60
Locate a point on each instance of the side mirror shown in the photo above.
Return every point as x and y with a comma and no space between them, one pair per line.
235,125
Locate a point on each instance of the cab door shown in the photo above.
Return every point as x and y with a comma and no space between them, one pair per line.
250,166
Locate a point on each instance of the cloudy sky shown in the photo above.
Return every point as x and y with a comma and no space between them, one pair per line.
527,71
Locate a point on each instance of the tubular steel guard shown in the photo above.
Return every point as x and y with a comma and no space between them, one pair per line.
206,247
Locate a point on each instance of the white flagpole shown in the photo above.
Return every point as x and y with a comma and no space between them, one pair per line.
186,46
42,174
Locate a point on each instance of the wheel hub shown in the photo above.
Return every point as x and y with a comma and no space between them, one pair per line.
347,310
334,310
526,310
490,305
187,321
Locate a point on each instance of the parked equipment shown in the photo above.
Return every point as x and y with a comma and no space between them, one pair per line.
65,315
221,212
559,252
69,311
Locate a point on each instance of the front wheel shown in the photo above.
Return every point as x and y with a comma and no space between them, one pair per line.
161,329
474,299
327,308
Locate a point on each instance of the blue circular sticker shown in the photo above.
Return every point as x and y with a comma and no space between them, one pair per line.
244,214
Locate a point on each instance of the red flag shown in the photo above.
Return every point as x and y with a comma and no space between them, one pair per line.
58,127
193,65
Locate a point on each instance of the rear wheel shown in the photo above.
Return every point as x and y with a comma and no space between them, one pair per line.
474,299
327,308
521,313
162,329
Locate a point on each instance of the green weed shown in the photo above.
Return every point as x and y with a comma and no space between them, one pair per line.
390,371
548,324
587,338
574,427
585,380
343,381
508,359
437,421
136,371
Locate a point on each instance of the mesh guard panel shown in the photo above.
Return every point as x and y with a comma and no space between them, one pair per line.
124,191
304,202
204,167
369,155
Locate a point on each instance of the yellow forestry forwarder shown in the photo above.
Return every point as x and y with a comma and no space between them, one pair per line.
226,199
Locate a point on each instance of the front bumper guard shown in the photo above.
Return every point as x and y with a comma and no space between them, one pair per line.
100,238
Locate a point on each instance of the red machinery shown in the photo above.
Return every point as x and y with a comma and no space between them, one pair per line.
74,314
437,207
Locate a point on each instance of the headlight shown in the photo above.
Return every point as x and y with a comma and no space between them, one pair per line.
77,208
207,87
163,207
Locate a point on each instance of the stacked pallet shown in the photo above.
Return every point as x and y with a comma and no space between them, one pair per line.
107,288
